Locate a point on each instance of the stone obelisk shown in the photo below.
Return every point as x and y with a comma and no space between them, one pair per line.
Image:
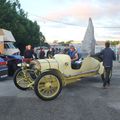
88,44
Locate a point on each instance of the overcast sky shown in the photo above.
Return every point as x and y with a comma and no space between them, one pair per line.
64,20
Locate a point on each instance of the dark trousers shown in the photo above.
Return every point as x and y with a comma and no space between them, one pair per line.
107,76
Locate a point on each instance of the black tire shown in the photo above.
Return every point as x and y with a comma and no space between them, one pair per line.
12,67
15,80
39,79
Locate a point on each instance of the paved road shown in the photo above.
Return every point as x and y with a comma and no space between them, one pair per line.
84,100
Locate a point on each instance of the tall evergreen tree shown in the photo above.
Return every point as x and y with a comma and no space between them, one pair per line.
25,31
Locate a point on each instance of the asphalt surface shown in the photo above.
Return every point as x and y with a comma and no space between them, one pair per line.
84,100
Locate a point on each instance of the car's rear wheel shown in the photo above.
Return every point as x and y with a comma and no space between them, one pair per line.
48,86
20,80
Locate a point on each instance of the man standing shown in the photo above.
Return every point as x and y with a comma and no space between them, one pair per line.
42,53
28,52
108,57
49,53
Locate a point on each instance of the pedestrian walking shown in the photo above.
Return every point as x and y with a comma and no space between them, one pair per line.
108,56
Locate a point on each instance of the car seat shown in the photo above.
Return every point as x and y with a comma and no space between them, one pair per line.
77,64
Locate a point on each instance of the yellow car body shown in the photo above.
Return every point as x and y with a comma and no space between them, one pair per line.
61,64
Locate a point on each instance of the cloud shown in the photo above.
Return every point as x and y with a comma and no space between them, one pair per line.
84,10
104,13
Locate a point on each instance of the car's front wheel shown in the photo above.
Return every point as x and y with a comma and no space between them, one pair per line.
20,80
48,86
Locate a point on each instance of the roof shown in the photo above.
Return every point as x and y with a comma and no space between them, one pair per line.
6,35
1,38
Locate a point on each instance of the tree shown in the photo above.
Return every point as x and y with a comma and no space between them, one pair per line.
65,43
115,42
25,31
62,43
69,42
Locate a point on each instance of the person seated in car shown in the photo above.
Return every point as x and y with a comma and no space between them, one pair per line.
73,54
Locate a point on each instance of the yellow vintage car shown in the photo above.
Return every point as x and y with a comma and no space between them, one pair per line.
48,76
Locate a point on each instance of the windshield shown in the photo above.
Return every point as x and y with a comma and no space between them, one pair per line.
9,45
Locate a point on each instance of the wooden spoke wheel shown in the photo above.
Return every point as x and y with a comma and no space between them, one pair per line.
48,86
20,80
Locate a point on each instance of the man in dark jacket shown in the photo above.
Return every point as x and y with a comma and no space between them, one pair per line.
49,53
108,56
42,53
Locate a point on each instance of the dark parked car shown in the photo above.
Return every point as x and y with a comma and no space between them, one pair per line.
12,61
3,68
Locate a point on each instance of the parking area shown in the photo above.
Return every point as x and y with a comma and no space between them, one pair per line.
84,100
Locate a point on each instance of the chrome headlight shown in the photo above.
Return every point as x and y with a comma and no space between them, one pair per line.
23,65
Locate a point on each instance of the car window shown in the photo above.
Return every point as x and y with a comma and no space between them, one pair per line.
6,46
11,45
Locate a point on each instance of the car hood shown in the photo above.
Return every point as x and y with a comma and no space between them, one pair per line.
44,64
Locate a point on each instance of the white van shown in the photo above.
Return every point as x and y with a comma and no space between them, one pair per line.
7,43
10,49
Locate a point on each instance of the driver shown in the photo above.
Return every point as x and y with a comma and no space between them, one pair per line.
73,54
